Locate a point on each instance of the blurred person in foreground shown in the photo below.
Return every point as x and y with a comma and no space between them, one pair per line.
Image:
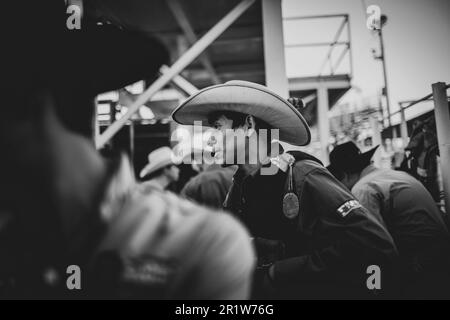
62,204
161,170
411,215
313,238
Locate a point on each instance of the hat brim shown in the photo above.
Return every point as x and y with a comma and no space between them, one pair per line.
247,99
361,162
153,167
367,156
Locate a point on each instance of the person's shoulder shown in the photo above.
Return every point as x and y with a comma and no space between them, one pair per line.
305,163
382,178
363,186
202,177
193,183
306,167
197,181
376,182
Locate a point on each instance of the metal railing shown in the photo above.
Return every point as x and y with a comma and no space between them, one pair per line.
410,104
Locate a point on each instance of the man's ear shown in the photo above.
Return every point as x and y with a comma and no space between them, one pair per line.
250,124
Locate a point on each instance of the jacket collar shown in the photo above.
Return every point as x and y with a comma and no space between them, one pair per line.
282,162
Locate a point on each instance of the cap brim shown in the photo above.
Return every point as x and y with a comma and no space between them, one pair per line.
366,157
260,103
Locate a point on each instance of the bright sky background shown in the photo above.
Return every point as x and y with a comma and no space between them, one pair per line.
417,44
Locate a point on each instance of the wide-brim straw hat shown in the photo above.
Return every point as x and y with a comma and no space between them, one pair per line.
247,98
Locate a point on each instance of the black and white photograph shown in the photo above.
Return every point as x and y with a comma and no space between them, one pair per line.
225,158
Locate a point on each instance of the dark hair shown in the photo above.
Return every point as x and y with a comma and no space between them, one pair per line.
238,119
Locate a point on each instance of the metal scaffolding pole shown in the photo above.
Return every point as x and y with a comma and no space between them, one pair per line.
386,89
332,46
442,115
183,21
377,139
403,127
181,83
96,123
132,144
324,122
176,68
275,65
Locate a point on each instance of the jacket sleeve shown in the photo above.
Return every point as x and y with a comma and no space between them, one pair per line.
358,239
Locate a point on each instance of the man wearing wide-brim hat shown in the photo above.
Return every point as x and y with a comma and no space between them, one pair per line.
408,210
312,236
161,169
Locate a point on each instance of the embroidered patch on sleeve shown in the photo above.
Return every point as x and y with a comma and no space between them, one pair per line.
348,207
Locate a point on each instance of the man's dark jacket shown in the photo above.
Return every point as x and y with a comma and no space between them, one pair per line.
329,245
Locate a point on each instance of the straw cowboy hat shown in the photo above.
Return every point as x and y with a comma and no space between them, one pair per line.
248,98
348,157
159,159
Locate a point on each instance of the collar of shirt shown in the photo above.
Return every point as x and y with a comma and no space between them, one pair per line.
282,162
